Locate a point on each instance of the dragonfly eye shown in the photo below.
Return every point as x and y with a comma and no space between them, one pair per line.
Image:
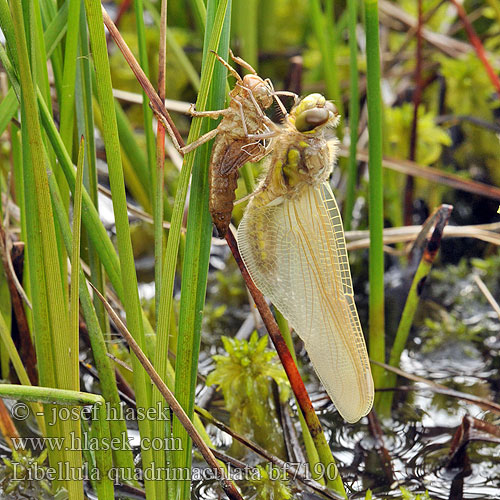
331,107
311,118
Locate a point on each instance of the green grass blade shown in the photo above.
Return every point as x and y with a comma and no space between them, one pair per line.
67,97
74,310
56,29
8,108
146,110
376,208
107,381
85,124
132,150
50,296
40,74
49,13
127,266
198,239
245,21
8,32
171,252
90,216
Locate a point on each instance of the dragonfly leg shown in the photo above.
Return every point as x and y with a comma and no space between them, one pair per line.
209,114
242,62
287,93
256,105
201,140
242,116
259,112
168,128
264,135
198,142
228,66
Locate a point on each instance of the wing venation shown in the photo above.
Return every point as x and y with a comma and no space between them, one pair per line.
296,254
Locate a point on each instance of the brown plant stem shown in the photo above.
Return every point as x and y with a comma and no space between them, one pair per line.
417,96
432,174
156,103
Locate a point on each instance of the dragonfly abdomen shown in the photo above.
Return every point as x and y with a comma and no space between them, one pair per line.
227,158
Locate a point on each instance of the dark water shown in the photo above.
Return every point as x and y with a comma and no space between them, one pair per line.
418,446
461,351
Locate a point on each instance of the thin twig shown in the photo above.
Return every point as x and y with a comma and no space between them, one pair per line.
156,103
482,286
179,412
442,389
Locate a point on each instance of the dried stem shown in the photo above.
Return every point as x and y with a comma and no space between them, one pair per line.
155,100
417,96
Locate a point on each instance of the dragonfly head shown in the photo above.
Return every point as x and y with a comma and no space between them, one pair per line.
261,90
314,112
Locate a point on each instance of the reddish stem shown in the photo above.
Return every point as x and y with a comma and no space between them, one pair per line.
417,97
477,44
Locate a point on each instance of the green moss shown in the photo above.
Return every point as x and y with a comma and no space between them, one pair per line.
245,377
272,484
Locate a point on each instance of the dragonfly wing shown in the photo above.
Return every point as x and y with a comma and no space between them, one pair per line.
295,253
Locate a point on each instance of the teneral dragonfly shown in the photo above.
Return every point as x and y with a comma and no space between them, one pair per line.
238,138
292,242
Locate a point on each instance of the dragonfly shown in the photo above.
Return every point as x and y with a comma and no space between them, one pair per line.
243,135
292,242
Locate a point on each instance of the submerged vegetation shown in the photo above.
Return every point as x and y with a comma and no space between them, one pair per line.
125,324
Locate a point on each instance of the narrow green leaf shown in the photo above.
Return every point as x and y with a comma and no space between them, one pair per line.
75,266
198,238
376,205
127,265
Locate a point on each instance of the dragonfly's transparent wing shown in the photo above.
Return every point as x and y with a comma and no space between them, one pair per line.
295,253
